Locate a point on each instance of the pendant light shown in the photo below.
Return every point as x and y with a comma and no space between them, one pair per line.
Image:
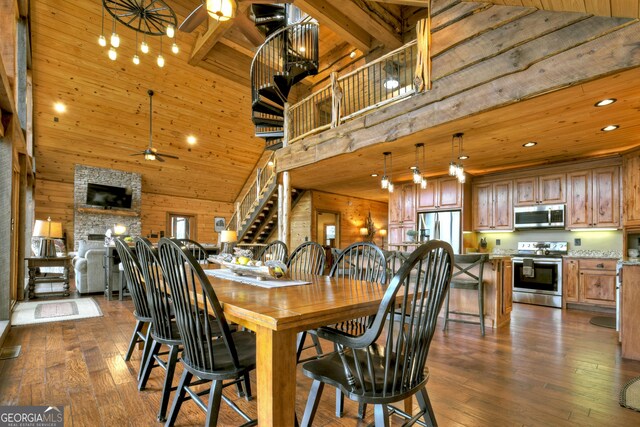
160,59
102,41
417,176
390,188
384,182
453,167
459,168
423,180
115,38
221,10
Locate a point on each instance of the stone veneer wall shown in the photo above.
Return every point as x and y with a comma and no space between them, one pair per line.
93,223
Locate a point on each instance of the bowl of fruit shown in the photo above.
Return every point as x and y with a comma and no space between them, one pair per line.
242,264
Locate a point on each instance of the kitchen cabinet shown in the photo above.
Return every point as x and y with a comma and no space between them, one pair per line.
507,288
441,193
593,198
402,212
590,282
631,189
492,206
629,313
545,189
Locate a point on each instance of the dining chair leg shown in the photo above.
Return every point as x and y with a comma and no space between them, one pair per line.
301,338
168,380
312,403
424,403
339,403
446,311
316,343
213,408
134,339
185,380
149,364
146,349
381,415
362,410
247,387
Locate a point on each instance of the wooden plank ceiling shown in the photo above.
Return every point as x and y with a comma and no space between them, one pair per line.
616,8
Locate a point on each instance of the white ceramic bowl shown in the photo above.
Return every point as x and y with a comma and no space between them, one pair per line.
633,253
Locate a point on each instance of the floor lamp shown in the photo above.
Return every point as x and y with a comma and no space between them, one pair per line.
47,231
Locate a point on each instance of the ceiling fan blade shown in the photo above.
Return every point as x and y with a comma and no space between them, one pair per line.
159,158
137,154
167,155
195,18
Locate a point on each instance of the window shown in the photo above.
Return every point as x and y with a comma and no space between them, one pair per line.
181,226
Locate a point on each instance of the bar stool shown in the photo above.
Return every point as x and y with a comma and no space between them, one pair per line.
464,278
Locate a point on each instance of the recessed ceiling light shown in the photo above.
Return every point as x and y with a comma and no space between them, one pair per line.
59,107
609,128
530,144
604,102
374,175
191,139
270,163
413,167
463,157
352,54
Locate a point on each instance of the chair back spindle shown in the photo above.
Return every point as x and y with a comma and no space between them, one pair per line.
133,275
274,251
195,321
308,258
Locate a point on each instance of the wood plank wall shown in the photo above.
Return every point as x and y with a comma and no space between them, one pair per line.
353,212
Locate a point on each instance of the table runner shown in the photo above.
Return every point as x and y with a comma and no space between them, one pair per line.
227,274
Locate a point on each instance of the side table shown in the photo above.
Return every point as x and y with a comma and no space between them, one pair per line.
36,276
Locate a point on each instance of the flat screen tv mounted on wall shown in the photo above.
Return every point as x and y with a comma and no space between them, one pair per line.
108,196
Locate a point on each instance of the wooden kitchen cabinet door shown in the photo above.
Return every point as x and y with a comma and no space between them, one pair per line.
409,203
551,189
395,207
579,199
507,287
571,279
396,234
449,193
598,287
525,191
606,197
427,197
482,206
502,206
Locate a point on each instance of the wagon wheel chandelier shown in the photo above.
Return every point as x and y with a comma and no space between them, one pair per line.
150,17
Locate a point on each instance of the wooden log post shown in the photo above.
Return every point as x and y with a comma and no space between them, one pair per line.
6,182
336,100
422,79
238,219
284,188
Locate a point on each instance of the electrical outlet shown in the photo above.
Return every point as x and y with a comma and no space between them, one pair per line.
577,242
497,242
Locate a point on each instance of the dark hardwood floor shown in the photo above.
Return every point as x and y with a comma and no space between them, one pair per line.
547,368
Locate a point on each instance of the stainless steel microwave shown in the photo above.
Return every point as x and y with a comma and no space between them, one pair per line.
539,216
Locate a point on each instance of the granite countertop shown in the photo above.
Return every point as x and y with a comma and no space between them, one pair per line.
583,253
629,261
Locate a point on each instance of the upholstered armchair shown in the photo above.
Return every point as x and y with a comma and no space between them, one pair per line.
88,266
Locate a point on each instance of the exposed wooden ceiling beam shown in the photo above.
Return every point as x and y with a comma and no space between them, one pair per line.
205,42
338,22
369,18
417,3
249,29
238,42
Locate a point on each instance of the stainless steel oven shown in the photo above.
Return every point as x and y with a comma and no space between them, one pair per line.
537,280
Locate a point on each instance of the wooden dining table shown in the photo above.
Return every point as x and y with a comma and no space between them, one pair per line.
276,315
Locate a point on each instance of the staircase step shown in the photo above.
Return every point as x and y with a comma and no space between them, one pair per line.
271,134
274,143
272,93
265,10
267,121
264,106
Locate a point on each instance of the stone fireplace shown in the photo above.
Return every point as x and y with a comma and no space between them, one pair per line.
91,220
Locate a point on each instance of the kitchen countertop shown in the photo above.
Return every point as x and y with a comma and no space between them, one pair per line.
583,253
629,261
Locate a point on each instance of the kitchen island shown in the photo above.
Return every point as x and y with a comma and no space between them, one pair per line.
498,301
629,304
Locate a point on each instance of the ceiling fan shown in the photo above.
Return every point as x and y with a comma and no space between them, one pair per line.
151,153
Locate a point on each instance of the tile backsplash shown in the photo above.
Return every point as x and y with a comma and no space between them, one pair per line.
589,240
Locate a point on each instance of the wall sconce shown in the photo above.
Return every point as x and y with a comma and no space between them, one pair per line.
364,231
383,233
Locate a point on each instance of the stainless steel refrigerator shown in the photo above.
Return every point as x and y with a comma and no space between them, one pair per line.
445,225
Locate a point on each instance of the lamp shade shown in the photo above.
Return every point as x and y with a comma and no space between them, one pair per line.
221,10
364,231
119,229
47,228
228,236
382,232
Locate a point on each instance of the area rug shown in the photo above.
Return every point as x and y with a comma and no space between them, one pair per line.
604,321
33,312
630,395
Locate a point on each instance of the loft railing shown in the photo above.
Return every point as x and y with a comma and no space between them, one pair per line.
385,80
244,208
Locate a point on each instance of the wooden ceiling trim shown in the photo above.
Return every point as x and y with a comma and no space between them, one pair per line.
441,105
367,17
328,15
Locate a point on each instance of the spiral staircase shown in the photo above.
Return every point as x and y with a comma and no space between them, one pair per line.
288,55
